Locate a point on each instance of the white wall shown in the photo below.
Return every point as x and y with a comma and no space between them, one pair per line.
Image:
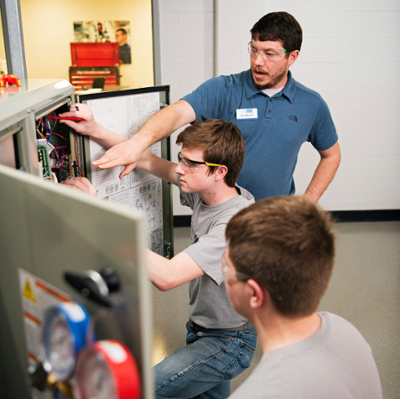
350,55
186,33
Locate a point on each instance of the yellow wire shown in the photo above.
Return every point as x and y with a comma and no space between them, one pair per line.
37,128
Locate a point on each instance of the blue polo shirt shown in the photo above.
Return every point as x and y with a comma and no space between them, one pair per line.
273,138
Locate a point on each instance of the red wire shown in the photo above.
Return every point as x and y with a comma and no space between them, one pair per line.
76,157
59,135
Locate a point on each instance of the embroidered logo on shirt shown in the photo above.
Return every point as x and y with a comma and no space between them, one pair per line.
293,118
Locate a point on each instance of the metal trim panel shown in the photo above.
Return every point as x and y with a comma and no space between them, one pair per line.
36,96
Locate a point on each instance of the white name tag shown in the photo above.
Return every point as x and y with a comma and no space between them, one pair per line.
247,113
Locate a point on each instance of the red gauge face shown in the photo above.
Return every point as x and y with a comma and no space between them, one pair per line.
96,379
106,370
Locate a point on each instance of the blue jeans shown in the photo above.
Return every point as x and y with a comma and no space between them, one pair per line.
204,368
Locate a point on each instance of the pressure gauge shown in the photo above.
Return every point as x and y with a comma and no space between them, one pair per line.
64,334
106,370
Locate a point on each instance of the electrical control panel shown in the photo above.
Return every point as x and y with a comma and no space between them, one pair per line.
34,139
29,140
59,148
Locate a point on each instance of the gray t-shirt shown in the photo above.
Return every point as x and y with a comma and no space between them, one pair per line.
209,305
335,362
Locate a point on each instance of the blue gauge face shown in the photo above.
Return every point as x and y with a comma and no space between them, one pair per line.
59,346
64,333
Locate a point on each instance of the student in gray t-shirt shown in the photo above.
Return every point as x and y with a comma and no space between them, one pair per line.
220,342
278,264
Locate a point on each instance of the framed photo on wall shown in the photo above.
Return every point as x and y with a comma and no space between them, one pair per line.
96,31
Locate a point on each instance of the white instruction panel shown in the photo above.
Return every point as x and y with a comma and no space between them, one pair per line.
125,115
37,296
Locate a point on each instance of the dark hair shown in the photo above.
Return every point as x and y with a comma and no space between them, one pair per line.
279,26
122,30
287,245
221,142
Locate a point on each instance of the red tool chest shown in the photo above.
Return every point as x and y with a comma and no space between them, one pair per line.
94,60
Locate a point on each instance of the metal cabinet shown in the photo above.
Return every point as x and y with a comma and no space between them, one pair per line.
47,229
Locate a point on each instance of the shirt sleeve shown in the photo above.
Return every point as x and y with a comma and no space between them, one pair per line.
323,134
208,99
208,250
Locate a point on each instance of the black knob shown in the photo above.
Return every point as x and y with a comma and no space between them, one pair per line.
111,277
89,284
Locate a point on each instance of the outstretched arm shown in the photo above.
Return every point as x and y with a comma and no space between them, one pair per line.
127,152
89,127
324,173
158,126
166,274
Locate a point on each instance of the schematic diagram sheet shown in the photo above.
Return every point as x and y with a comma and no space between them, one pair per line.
125,115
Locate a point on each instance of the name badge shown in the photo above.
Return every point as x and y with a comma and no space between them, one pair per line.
247,113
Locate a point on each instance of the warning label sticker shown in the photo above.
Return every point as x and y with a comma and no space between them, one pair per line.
37,296
28,291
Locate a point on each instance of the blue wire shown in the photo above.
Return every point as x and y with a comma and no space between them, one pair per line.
50,130
56,153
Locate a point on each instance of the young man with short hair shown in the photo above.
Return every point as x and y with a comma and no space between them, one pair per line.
220,342
277,267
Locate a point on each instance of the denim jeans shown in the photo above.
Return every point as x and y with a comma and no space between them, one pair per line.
204,368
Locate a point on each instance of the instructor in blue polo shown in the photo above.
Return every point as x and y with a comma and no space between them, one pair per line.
275,114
